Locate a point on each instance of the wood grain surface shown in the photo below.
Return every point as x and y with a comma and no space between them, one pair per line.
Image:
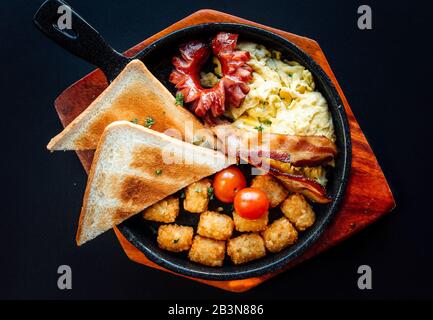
368,195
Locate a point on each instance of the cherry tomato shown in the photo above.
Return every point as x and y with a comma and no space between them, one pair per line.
227,183
251,203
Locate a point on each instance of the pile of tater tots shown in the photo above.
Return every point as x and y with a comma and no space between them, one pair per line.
218,232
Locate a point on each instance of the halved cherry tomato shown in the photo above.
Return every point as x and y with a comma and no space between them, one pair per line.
251,203
227,183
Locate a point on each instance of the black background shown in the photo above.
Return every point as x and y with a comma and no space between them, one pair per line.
385,74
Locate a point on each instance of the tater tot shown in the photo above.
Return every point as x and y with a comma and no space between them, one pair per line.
173,237
298,211
245,248
279,235
197,196
165,210
215,225
275,192
250,225
207,251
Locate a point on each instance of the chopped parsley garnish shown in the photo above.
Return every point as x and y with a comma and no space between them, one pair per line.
179,99
158,172
197,189
149,122
135,120
260,127
263,123
210,193
175,240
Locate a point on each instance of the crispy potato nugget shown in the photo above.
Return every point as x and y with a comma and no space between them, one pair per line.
196,196
249,225
245,248
165,210
275,192
207,251
279,235
173,237
215,225
298,211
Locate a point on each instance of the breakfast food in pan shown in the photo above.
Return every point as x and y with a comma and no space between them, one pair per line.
279,235
207,251
250,225
245,248
215,225
175,238
298,211
165,210
196,196
184,162
275,192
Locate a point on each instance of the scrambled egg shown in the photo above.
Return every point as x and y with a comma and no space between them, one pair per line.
282,97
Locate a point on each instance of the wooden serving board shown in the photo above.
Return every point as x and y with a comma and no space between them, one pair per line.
368,195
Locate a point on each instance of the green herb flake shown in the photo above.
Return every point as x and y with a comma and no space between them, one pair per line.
135,120
197,189
260,127
179,99
267,122
210,193
149,122
158,172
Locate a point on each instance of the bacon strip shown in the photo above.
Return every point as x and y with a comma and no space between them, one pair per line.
293,182
308,187
297,150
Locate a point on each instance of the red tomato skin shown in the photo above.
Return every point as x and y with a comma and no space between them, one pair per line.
227,183
251,203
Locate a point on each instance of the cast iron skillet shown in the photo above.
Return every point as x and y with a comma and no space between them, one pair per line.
85,42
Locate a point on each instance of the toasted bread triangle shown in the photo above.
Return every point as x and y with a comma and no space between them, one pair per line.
133,168
135,95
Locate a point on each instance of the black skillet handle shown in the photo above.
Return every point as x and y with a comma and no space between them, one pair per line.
81,39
